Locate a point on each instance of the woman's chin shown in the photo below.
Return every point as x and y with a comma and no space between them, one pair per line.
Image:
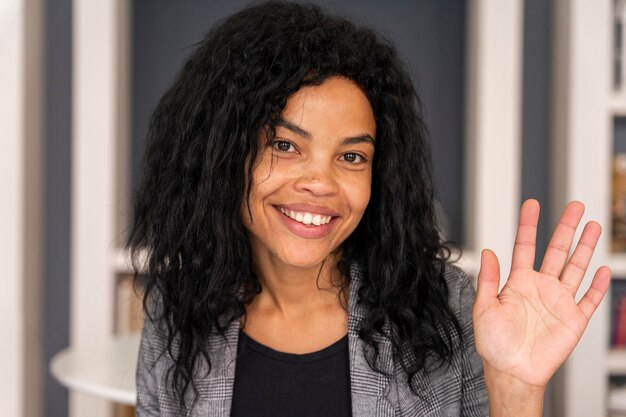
305,260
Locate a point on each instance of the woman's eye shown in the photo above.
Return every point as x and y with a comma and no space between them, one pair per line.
283,146
353,158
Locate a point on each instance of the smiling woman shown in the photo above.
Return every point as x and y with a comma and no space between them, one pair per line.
310,190
295,267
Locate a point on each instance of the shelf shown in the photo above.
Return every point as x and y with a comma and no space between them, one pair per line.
618,104
617,263
119,261
616,362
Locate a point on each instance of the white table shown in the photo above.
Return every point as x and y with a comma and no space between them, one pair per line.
107,371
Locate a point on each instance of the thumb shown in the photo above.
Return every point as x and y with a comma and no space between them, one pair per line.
488,278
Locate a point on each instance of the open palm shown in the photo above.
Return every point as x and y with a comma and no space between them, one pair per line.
528,329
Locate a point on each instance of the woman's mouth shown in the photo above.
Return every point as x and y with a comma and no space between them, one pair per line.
307,224
306,218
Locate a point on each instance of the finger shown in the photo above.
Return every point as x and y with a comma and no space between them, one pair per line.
577,266
525,240
488,279
561,241
596,291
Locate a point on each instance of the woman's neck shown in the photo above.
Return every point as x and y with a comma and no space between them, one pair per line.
290,290
299,310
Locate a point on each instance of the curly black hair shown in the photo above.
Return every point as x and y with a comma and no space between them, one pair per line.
197,174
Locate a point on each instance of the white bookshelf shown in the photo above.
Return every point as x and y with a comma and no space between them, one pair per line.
99,175
616,357
581,156
22,53
493,134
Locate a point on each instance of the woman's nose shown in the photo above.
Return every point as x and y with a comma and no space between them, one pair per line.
317,180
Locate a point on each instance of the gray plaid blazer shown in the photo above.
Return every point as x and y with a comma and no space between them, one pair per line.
455,390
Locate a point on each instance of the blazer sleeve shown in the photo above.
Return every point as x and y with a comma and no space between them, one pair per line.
474,401
146,376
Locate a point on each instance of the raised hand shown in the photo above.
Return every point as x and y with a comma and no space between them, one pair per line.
525,332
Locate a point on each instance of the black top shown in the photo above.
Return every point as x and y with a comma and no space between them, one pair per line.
277,384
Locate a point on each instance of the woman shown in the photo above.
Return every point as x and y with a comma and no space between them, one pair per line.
294,266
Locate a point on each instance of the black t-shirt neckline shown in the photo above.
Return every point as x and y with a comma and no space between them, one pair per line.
336,347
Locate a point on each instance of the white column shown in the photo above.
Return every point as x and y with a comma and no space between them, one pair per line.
493,117
581,170
100,104
21,207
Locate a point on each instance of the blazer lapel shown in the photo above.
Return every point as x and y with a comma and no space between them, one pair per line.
215,389
368,387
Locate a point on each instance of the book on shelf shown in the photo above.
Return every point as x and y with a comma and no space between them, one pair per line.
618,316
121,410
619,326
618,243
618,44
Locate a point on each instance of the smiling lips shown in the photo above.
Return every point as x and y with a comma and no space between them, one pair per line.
306,218
307,221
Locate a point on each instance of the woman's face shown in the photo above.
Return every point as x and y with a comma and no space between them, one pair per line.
312,184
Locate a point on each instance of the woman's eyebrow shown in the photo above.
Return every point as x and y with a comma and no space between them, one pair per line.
295,129
365,137
358,139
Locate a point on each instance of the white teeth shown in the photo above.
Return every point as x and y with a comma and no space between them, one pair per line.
307,218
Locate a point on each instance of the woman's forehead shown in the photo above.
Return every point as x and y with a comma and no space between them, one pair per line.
338,104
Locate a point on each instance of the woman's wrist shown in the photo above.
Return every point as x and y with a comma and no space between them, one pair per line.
508,396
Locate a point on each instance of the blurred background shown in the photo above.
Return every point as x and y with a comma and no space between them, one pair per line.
523,99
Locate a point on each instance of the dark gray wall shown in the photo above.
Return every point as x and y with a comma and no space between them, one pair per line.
537,85
429,34
163,35
619,135
56,275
